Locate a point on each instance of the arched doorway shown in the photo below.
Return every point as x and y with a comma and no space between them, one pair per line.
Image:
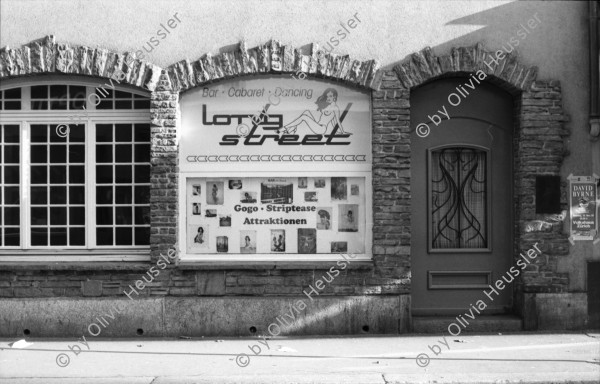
461,187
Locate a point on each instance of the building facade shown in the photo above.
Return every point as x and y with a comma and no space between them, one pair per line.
354,168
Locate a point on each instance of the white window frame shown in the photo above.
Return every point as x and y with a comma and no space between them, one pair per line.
25,117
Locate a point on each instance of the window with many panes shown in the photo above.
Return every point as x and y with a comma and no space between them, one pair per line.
73,175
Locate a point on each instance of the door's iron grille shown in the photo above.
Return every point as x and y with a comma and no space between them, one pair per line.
459,198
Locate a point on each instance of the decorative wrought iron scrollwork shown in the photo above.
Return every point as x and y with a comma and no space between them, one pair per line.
459,198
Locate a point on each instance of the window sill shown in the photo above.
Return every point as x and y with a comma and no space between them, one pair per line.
79,266
261,265
70,256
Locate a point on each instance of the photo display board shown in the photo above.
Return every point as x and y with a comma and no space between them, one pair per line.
275,166
302,215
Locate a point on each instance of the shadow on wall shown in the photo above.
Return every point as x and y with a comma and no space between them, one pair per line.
499,24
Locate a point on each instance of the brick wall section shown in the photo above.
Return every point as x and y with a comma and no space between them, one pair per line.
391,179
540,151
164,169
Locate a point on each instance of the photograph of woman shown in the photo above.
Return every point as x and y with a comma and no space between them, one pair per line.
327,115
247,241
215,192
324,218
198,238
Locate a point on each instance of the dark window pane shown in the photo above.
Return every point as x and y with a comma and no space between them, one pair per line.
12,237
107,93
124,236
39,92
104,215
123,95
142,132
141,104
58,135
77,236
76,104
123,215
142,236
122,104
123,153
104,236
39,133
39,236
58,174
123,195
39,216
58,154
76,195
77,133
104,174
12,105
39,195
104,195
11,196
123,174
123,132
77,175
142,195
58,91
39,175
76,154
77,215
58,215
58,195
76,92
11,134
142,173
11,154
58,104
104,133
105,104
142,153
12,216
39,105
104,154
14,93
142,215
11,174
58,236
39,154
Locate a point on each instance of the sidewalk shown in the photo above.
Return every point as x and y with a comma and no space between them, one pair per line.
514,358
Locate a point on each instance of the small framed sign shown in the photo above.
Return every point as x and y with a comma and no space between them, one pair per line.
583,202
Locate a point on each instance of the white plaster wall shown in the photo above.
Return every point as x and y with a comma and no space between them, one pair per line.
389,31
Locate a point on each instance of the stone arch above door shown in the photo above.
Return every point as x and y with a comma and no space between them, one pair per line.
425,65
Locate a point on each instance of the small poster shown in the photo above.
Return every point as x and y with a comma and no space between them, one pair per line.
214,195
583,198
247,241
277,240
222,244
307,240
348,221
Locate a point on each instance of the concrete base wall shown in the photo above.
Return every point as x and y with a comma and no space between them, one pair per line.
555,311
203,316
